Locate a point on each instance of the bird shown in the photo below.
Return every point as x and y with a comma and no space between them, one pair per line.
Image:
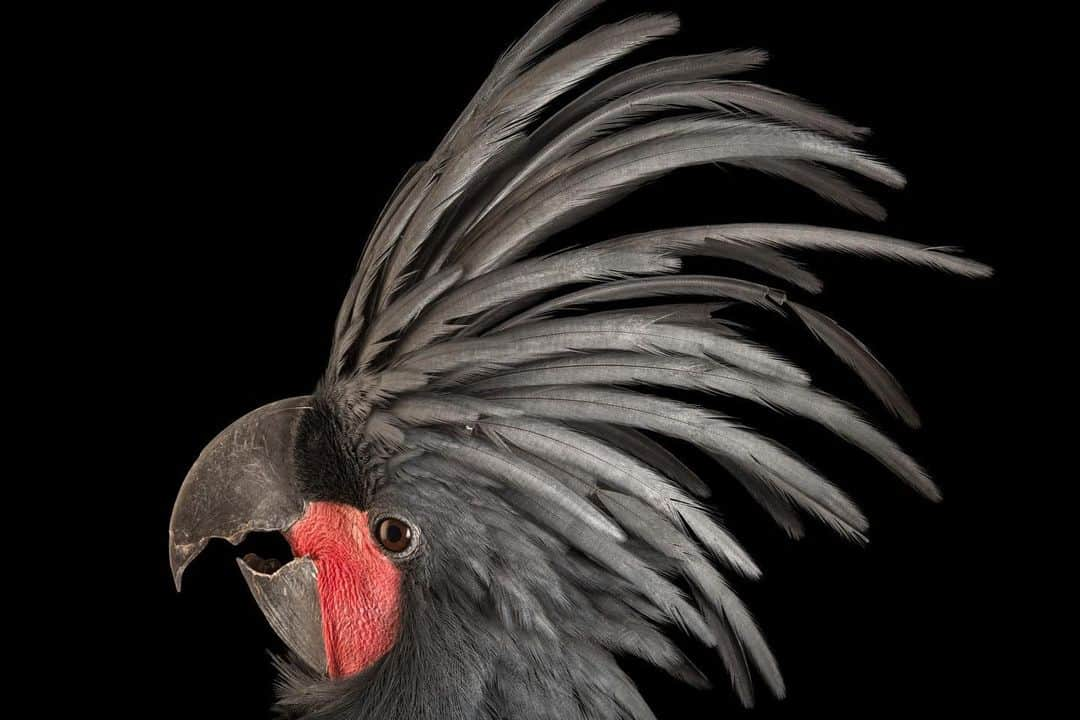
482,497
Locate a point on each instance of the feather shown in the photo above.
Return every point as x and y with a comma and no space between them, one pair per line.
590,457
406,308
649,452
823,182
350,321
467,135
658,533
383,243
383,431
544,33
655,99
660,260
565,68
665,70
734,613
452,174
778,507
763,259
702,375
626,564
646,523
643,331
718,540
658,72
437,467
619,164
638,288
700,314
518,474
808,237
509,114
446,409
547,31
609,682
759,457
731,652
577,481
855,355
530,277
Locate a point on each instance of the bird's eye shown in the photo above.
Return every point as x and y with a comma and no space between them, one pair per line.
395,535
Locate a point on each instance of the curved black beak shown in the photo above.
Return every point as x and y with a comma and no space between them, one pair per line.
243,482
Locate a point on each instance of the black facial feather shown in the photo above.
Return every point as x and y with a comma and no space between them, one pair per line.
330,464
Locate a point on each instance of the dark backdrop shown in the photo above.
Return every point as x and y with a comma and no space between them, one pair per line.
256,148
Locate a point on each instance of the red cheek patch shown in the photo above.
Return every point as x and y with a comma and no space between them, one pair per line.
359,586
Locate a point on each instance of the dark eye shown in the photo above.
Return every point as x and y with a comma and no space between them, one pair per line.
395,535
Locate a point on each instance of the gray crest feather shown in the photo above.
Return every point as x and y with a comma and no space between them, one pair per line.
483,380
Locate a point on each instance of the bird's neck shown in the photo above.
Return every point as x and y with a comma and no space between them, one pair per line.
434,671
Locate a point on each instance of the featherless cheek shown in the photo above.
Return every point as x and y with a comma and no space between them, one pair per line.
359,586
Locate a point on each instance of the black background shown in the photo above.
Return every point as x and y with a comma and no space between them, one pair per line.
254,150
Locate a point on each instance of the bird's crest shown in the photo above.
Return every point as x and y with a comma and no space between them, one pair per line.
462,354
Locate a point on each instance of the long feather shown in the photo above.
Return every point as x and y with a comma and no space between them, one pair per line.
516,473
350,321
689,373
778,507
624,164
761,458
565,68
718,540
731,652
545,32
763,259
614,468
643,522
733,613
530,277
656,99
618,559
660,260
665,70
511,111
405,309
855,355
638,288
691,240
809,237
642,331
649,452
464,135
823,182
658,72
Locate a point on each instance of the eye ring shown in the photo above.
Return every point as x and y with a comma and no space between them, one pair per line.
396,536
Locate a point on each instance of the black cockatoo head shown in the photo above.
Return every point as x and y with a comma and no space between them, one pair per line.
428,582
481,508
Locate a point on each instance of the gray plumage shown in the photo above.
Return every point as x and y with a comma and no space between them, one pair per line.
520,426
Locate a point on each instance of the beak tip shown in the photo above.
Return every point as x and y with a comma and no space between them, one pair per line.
178,577
180,556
